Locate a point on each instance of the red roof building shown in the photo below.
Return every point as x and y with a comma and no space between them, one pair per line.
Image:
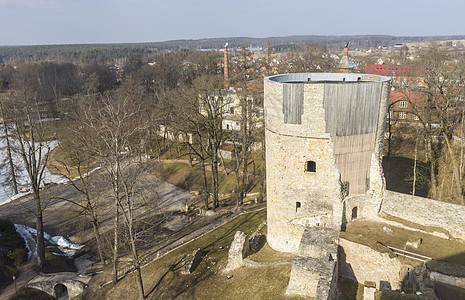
402,75
394,70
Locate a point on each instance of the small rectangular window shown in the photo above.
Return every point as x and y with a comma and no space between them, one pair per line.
403,104
310,166
402,115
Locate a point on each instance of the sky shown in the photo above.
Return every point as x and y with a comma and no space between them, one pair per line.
36,22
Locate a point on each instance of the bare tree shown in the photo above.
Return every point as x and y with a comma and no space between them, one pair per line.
444,89
197,111
8,164
75,164
115,131
33,140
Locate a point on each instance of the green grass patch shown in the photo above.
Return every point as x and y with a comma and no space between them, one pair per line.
267,254
60,163
163,280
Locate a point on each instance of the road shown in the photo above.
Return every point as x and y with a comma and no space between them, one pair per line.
60,216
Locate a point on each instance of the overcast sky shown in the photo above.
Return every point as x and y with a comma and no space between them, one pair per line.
32,22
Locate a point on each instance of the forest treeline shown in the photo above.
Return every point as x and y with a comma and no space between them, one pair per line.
114,53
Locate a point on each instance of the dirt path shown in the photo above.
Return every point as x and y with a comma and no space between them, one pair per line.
155,196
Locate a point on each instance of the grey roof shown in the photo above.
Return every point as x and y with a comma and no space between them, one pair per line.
315,77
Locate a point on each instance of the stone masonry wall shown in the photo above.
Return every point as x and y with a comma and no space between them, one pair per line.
314,271
288,148
361,263
426,212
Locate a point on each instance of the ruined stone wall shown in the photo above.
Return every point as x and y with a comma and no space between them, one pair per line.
426,212
361,263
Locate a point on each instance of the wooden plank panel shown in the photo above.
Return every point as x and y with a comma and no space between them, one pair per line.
353,160
293,103
351,108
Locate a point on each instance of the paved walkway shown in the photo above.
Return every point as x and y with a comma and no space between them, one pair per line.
154,195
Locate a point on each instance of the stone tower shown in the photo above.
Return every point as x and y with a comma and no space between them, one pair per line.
324,135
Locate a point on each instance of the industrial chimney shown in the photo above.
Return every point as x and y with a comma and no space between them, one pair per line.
226,74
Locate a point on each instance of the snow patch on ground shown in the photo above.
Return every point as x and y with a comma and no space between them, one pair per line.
88,173
28,238
17,196
29,234
6,193
65,245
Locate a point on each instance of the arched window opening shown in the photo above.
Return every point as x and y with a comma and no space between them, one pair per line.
354,212
297,206
310,166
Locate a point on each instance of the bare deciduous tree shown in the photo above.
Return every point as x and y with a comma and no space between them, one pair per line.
115,131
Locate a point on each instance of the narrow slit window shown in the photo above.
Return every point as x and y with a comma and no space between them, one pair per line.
297,206
345,188
310,166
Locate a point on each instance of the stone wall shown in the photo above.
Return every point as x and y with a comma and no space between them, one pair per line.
314,270
447,279
426,212
361,263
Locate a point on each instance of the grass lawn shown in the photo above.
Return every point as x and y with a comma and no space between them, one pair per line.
59,163
163,280
372,233
182,175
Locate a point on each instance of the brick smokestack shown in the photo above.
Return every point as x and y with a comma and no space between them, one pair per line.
226,72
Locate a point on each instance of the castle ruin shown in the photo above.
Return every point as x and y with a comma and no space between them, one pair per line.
324,139
324,135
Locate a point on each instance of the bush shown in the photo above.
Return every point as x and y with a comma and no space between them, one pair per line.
30,293
20,256
13,251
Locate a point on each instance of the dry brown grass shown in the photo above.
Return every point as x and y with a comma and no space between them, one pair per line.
372,234
163,280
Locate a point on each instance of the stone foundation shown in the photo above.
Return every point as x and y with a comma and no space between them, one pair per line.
314,270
